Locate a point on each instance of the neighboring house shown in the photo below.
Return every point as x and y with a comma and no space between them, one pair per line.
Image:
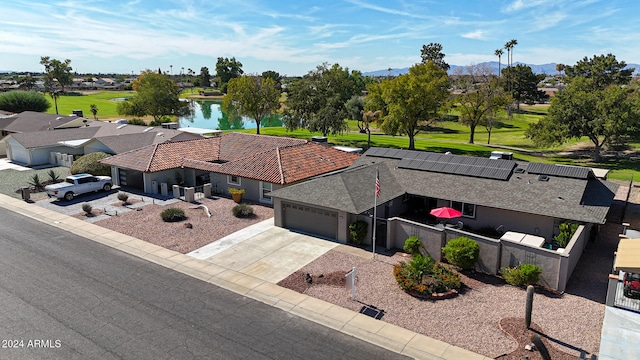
256,163
531,198
29,121
36,147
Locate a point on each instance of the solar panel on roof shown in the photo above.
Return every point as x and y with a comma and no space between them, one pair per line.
574,172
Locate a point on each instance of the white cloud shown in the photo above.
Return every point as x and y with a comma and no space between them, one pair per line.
518,5
475,35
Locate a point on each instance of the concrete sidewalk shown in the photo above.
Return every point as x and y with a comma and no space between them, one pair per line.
241,268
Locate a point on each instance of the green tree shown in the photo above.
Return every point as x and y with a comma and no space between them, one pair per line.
584,110
317,101
19,101
410,100
433,52
481,105
523,85
252,96
27,82
57,71
156,95
603,70
205,77
94,110
227,69
354,107
274,75
499,54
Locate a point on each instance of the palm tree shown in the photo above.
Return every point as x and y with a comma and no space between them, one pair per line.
499,53
94,110
367,118
509,46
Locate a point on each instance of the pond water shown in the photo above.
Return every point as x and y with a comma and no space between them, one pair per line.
207,114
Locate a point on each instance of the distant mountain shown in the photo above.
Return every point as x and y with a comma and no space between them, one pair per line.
549,69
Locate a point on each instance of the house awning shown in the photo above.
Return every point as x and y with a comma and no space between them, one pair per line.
200,131
74,143
628,256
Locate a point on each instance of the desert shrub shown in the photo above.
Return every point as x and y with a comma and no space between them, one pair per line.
567,230
136,121
173,214
36,182
423,276
462,252
522,275
242,211
86,207
89,164
123,196
358,231
19,101
53,176
412,245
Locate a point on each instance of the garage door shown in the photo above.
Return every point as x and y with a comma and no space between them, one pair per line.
131,179
310,220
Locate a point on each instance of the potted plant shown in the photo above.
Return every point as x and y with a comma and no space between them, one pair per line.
236,194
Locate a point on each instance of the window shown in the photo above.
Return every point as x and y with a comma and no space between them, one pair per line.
265,187
233,180
468,210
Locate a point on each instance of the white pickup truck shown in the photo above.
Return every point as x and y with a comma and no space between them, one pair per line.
78,184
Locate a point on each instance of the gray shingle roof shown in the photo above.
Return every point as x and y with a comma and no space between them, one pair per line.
28,121
569,198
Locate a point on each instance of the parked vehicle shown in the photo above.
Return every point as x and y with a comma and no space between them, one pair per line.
631,285
78,184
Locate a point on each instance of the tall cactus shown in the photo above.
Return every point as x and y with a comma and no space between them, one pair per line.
542,349
527,316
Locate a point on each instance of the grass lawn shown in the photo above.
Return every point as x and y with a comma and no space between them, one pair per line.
107,107
443,136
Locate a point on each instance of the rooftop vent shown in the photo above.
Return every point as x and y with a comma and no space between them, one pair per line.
543,178
518,170
121,126
147,129
319,139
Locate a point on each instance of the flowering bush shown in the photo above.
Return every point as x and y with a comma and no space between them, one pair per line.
422,276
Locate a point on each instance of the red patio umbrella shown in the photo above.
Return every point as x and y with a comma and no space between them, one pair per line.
445,213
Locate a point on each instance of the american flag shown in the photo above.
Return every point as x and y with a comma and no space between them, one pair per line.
377,183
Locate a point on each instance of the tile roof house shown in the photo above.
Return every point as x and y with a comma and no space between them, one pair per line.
256,163
35,147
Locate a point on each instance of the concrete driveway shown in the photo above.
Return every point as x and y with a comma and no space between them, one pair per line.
264,251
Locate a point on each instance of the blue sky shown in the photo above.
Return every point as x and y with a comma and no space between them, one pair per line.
294,36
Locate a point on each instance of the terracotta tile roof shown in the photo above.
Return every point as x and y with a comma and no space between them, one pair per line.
301,162
168,155
273,159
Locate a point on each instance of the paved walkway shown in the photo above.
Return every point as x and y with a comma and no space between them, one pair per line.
241,268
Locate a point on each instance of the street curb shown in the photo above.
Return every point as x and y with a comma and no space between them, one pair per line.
377,332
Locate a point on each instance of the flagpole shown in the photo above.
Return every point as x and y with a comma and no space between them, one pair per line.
375,206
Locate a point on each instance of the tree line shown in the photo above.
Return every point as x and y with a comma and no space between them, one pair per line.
600,101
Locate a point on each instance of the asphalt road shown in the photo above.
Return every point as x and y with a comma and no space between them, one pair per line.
65,297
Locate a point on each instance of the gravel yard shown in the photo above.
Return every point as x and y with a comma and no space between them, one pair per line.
146,224
470,320
484,318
